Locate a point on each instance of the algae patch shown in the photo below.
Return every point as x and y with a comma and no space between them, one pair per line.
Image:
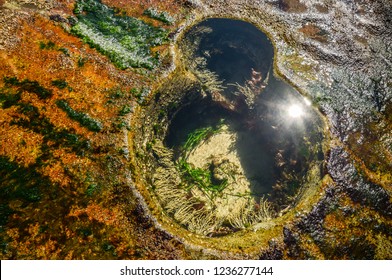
127,41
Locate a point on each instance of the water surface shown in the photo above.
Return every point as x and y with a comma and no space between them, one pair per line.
278,135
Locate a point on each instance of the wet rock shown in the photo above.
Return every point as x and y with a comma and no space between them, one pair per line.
312,223
347,210
358,249
339,54
344,173
274,252
291,239
58,18
142,216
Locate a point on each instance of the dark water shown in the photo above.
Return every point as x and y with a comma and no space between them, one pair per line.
235,47
275,143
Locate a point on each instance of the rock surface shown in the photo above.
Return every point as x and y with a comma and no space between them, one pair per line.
337,53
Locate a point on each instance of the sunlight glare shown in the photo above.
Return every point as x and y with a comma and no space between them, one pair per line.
307,102
295,111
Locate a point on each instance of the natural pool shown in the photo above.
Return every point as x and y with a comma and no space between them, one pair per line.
229,145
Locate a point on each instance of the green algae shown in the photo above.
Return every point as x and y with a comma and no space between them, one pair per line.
33,120
28,85
60,83
18,182
127,41
82,118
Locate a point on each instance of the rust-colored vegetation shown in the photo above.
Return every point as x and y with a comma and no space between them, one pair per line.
64,111
377,162
347,228
137,7
64,166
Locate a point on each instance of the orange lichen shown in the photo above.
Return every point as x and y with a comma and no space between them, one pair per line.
334,223
376,162
96,213
19,144
55,172
137,7
64,208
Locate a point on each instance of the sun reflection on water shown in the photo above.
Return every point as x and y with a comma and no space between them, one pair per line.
295,111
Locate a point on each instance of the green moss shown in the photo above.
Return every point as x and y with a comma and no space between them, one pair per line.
29,86
161,114
5,212
92,189
140,94
52,46
47,46
116,94
120,124
9,98
134,91
34,121
161,16
64,51
149,146
82,61
157,129
57,137
60,83
125,40
198,176
125,110
82,118
18,182
84,232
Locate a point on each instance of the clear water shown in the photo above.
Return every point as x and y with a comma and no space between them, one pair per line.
279,136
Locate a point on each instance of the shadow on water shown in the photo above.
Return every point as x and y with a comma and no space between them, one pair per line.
198,114
256,155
